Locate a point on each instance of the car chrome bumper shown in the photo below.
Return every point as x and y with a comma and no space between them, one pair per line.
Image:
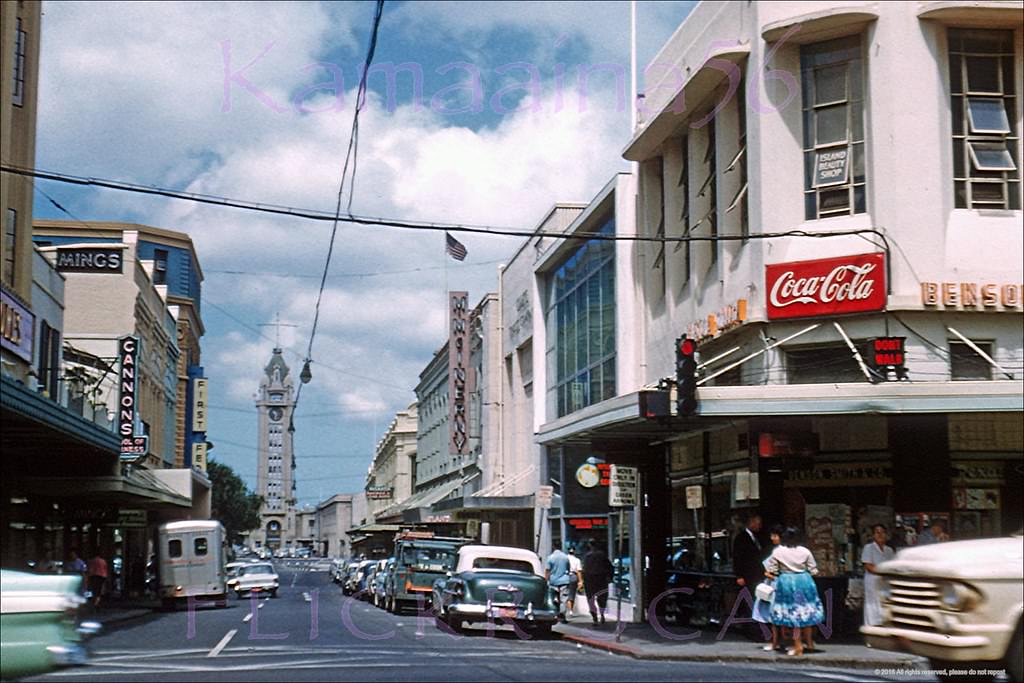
70,654
483,612
946,646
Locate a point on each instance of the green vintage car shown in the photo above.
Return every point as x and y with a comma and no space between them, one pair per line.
495,584
38,629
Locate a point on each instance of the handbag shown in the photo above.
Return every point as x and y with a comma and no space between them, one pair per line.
764,591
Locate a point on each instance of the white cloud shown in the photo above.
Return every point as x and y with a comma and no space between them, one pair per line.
136,91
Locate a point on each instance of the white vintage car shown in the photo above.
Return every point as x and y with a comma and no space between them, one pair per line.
958,604
495,583
258,577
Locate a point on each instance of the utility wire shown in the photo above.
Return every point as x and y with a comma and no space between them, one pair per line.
350,157
311,214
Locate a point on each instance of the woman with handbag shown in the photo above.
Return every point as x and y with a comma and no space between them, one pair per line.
795,603
764,594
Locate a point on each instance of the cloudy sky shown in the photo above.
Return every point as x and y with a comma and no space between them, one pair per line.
255,100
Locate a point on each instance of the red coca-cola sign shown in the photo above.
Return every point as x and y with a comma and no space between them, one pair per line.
829,286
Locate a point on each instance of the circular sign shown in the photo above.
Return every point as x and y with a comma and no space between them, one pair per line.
276,414
588,475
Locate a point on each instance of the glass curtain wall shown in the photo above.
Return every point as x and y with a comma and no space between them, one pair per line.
581,318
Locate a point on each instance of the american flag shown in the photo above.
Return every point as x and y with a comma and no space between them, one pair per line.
454,248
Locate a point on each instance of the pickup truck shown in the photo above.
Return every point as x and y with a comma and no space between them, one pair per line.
958,604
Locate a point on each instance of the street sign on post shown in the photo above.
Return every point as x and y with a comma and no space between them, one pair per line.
622,486
544,497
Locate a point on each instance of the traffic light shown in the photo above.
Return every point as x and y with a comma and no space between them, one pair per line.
686,376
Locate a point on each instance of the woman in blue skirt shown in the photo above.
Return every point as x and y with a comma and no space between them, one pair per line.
763,608
796,603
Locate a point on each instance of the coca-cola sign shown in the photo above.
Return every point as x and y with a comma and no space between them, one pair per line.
831,286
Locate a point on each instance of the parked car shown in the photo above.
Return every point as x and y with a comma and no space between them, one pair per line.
495,582
337,570
380,581
38,630
257,577
958,604
356,581
420,559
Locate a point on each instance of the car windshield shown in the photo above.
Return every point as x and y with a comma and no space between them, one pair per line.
502,563
257,569
428,559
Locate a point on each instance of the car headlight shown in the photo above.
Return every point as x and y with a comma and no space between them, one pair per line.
959,597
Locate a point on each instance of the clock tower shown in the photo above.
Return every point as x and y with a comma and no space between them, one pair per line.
275,472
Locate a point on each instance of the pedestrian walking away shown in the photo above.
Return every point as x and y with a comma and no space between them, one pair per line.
557,573
576,584
97,574
597,574
795,603
871,556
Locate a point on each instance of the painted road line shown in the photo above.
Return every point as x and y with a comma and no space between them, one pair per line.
223,643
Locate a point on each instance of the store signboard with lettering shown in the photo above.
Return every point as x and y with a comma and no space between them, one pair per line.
824,287
973,296
832,167
90,260
16,325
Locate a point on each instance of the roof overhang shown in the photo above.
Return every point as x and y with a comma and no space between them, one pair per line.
486,503
39,432
678,110
619,417
138,489
825,24
976,14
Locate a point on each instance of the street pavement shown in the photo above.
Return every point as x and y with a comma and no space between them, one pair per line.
310,632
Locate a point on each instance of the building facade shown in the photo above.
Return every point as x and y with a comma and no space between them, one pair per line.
275,403
389,482
857,308
171,266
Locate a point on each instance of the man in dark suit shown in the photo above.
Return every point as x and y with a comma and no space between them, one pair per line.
747,556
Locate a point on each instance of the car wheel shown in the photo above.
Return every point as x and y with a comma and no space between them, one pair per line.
541,631
453,622
273,593
1015,656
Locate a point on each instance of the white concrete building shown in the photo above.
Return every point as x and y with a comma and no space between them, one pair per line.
824,175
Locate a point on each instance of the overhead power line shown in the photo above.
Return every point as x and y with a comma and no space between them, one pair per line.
314,215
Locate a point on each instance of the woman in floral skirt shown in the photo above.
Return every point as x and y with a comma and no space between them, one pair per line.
796,603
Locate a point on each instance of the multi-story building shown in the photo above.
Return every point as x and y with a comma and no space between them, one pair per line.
389,481
848,256
333,520
275,404
172,269
63,484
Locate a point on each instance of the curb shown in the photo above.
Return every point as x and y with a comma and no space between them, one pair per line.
841,662
130,615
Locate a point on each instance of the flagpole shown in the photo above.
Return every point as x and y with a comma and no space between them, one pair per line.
444,309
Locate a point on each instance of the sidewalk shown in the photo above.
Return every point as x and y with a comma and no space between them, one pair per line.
117,611
687,643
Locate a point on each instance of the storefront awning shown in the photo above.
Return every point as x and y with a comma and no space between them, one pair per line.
37,434
620,415
138,488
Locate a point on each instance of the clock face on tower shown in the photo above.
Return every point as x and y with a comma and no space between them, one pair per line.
276,414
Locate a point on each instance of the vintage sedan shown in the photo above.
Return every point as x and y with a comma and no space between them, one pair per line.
495,584
258,577
38,630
